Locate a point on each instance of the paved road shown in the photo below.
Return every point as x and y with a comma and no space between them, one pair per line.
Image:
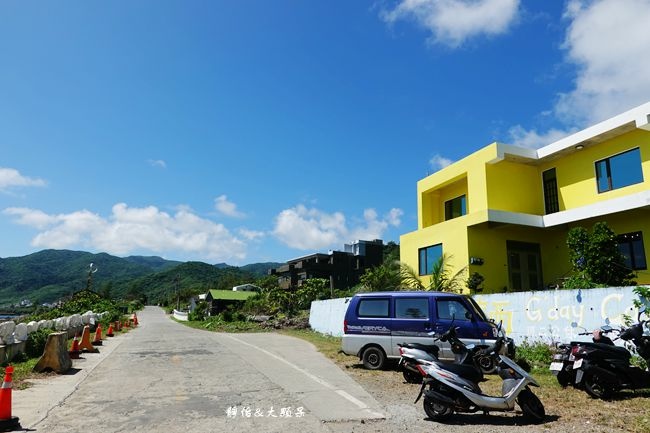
164,376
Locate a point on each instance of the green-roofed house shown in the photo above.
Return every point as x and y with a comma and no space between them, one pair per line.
218,300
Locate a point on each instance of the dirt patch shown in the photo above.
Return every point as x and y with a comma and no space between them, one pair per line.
567,410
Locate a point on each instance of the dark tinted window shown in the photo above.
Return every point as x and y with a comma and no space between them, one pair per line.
631,246
619,170
455,208
373,308
412,308
452,309
428,257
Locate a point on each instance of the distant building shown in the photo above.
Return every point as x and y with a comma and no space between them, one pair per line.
246,288
219,300
342,268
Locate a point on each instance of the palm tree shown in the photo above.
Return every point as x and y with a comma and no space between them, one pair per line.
384,277
441,280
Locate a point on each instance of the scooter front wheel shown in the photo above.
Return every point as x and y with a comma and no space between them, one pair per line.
531,406
435,410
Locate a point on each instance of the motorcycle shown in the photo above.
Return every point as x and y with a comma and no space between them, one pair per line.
413,354
449,388
563,359
603,369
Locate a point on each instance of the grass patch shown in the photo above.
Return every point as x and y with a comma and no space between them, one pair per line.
218,325
325,344
23,372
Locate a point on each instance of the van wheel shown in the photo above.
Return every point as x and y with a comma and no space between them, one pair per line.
373,358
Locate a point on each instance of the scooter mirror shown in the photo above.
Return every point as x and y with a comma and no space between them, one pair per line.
606,328
574,324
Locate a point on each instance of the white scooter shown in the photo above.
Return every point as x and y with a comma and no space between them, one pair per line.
454,388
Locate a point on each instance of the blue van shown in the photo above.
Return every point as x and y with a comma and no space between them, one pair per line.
375,323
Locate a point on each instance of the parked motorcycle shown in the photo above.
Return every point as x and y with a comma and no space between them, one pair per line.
449,388
481,356
604,369
564,357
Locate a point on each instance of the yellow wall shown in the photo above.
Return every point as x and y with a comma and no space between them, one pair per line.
451,234
576,172
514,187
489,243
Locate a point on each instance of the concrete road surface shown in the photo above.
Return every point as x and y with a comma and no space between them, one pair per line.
164,376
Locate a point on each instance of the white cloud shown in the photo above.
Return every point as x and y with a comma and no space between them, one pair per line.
439,162
533,139
251,235
452,22
10,177
130,230
227,208
157,163
607,41
310,229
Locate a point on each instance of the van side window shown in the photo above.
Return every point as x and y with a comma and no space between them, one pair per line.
373,308
452,309
411,308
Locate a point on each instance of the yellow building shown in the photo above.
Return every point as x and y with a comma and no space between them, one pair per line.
505,211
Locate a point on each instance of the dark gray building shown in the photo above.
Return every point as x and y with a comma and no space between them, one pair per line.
341,268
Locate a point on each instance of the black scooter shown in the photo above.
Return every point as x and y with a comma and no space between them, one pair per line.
602,368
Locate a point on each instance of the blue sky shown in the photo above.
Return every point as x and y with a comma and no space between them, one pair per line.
248,131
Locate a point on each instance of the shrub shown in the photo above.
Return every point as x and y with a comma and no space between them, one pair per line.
537,355
36,343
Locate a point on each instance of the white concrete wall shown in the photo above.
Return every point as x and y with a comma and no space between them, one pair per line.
533,316
327,316
180,315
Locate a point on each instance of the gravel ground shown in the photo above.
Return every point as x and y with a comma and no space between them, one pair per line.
397,396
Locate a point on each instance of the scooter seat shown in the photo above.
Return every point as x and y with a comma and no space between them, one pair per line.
468,372
431,348
615,351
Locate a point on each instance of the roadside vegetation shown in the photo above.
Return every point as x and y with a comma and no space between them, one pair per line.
79,303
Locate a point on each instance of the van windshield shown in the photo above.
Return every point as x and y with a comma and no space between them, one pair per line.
477,309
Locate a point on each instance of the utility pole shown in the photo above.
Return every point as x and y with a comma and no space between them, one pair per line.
178,293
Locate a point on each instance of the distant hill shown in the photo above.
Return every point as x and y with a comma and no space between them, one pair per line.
190,277
154,262
260,269
49,275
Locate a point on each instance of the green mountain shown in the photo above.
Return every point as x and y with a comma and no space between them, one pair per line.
49,275
153,262
189,278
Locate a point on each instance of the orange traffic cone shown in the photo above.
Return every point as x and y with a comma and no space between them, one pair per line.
109,332
118,325
98,336
126,323
135,319
7,422
74,351
85,344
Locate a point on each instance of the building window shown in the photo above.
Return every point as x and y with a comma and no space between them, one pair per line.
455,207
631,246
428,257
551,202
619,170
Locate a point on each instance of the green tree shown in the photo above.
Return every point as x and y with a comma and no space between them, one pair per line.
382,278
391,252
596,259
